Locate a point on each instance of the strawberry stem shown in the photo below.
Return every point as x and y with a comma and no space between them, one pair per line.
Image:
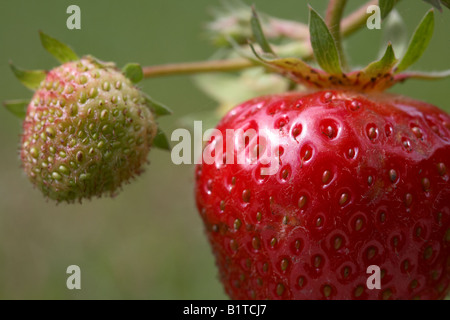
197,67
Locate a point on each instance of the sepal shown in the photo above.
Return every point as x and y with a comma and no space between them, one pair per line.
258,33
160,141
158,108
323,44
419,42
62,52
29,78
386,7
17,107
133,71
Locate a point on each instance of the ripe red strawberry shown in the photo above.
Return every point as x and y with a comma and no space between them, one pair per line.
363,180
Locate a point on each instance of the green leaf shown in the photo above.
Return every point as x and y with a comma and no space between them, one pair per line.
382,66
258,33
29,78
386,7
17,107
419,41
160,141
323,44
133,71
57,49
158,108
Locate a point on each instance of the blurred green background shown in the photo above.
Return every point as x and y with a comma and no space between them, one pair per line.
148,242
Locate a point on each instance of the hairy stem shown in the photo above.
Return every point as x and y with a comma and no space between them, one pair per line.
197,67
333,19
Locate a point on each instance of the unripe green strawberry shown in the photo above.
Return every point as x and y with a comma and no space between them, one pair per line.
87,130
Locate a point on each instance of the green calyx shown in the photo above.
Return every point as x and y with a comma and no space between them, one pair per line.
376,76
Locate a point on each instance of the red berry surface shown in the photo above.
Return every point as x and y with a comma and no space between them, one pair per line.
363,180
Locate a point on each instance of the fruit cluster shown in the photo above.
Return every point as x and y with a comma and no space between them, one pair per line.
363,175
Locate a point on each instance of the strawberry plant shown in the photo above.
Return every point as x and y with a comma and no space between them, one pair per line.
362,175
